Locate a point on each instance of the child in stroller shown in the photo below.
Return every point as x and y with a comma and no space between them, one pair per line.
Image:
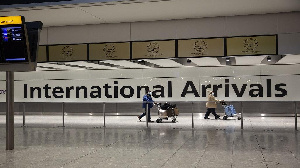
229,111
167,110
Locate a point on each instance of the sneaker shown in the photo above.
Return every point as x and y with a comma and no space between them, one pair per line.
217,117
139,118
206,118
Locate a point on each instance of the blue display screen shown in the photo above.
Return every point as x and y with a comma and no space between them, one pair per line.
13,44
11,34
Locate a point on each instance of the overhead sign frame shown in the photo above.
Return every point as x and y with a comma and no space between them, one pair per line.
252,45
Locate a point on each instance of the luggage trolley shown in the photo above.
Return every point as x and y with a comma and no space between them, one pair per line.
229,111
166,111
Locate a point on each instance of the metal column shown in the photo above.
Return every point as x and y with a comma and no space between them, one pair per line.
296,116
192,115
63,113
242,116
9,110
23,114
147,118
103,114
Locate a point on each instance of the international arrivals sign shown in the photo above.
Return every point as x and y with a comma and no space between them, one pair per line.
176,90
98,86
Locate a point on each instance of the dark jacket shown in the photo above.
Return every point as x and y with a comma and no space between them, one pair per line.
147,99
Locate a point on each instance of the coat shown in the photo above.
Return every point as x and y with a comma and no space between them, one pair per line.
211,102
147,99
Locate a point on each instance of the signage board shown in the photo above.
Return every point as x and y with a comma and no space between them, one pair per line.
153,49
73,52
109,51
201,47
250,83
254,45
11,20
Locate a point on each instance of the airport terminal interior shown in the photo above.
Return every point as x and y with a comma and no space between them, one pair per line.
74,94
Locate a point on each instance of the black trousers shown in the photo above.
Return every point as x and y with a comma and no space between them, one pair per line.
142,115
211,110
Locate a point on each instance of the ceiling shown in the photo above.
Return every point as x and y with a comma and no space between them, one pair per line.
83,12
169,63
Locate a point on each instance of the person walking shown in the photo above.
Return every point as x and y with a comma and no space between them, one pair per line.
211,105
147,100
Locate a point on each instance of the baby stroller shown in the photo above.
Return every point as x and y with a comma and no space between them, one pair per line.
167,110
229,111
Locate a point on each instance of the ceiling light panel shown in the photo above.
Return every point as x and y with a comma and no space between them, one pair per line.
60,66
290,59
249,60
125,64
164,62
88,65
206,61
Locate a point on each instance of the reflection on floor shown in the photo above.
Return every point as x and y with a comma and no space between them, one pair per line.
126,142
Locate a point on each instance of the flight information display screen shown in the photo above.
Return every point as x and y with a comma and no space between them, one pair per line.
13,44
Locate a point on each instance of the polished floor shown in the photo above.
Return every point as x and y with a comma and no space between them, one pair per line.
125,142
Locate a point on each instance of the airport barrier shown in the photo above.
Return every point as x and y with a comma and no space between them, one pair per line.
134,108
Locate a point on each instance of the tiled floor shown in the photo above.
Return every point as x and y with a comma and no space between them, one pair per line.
126,142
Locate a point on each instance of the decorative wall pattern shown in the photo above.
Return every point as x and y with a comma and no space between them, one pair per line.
109,51
256,45
201,47
240,46
68,52
153,49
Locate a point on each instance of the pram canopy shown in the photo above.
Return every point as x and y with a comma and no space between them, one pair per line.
167,105
229,110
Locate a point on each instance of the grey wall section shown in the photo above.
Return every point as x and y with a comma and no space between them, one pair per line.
44,36
289,43
136,108
87,34
282,23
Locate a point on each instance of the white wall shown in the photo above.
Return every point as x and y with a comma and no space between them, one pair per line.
289,43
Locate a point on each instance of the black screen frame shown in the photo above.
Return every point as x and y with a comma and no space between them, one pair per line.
7,49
